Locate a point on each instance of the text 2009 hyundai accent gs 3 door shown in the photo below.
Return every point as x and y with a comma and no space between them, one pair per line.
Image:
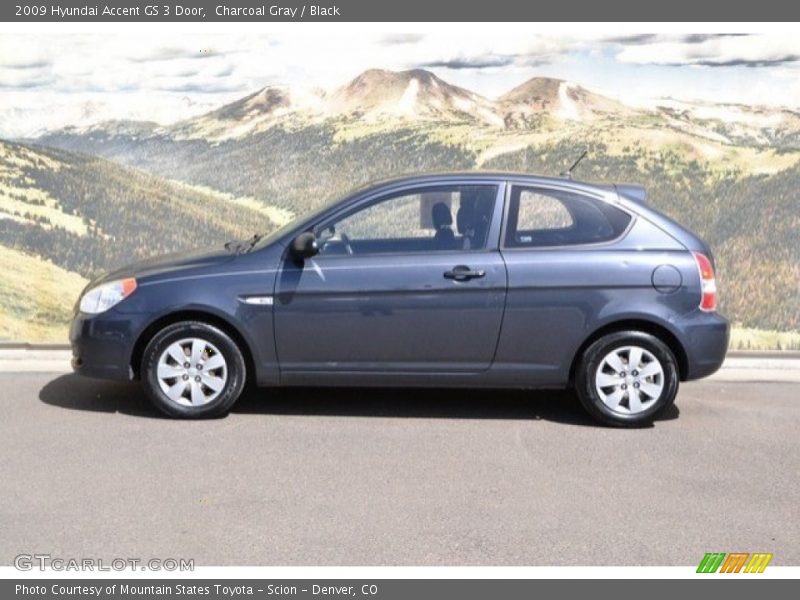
484,280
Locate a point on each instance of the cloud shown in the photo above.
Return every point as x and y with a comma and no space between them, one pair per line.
26,70
188,73
699,38
741,62
714,50
23,64
484,62
39,80
26,85
651,38
199,86
173,53
396,39
533,60
22,54
224,71
639,38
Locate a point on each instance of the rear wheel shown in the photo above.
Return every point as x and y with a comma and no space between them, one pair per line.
627,378
193,370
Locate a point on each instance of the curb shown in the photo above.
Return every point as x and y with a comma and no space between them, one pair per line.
763,354
33,346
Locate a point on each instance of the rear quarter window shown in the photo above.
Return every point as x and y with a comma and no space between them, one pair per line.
544,218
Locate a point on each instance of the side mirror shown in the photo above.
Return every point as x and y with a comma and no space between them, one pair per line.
305,245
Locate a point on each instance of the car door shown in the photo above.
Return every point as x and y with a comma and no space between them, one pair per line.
407,281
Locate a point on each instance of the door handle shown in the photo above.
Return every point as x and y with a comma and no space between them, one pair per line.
464,273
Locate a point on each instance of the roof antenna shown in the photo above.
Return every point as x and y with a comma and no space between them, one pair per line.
568,172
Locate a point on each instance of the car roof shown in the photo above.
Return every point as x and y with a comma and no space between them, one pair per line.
436,177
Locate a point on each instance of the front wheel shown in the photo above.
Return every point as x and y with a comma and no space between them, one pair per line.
193,370
627,378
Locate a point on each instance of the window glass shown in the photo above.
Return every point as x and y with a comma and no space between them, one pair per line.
542,217
442,218
539,212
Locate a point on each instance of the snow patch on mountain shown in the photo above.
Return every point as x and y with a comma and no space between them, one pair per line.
567,108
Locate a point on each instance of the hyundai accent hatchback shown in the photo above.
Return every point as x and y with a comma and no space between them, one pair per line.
462,280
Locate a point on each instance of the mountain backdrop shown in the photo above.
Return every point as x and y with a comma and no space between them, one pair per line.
79,200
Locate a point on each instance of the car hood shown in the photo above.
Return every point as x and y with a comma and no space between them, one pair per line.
168,264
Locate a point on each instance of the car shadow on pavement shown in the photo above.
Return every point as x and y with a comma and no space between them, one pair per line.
95,395
79,393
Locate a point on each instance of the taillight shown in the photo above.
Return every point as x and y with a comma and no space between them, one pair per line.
708,283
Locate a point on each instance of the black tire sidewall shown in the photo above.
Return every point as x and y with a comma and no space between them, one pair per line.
595,353
235,365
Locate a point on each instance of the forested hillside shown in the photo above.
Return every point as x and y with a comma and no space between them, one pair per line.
295,169
64,218
87,214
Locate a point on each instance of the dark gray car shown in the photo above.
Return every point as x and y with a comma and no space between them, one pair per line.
474,280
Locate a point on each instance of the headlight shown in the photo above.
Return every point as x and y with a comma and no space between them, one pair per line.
103,297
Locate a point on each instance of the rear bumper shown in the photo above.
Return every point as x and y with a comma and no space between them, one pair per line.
705,338
102,345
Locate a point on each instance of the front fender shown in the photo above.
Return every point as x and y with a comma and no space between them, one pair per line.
251,324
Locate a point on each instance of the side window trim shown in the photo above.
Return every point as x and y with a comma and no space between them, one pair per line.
512,185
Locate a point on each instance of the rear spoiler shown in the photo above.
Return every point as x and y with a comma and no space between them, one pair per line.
637,193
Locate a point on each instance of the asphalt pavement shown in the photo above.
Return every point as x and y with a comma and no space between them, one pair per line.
398,477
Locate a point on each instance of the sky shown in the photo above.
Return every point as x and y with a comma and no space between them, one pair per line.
52,80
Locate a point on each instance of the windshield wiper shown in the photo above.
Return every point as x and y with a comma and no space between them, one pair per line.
243,246
251,243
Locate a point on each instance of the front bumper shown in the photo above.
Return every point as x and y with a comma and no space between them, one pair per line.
102,345
705,338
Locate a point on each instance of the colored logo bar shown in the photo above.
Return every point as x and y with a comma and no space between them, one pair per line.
735,562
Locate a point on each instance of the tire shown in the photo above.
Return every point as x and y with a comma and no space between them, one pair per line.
609,391
211,383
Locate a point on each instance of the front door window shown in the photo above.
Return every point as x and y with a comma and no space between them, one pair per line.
442,218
